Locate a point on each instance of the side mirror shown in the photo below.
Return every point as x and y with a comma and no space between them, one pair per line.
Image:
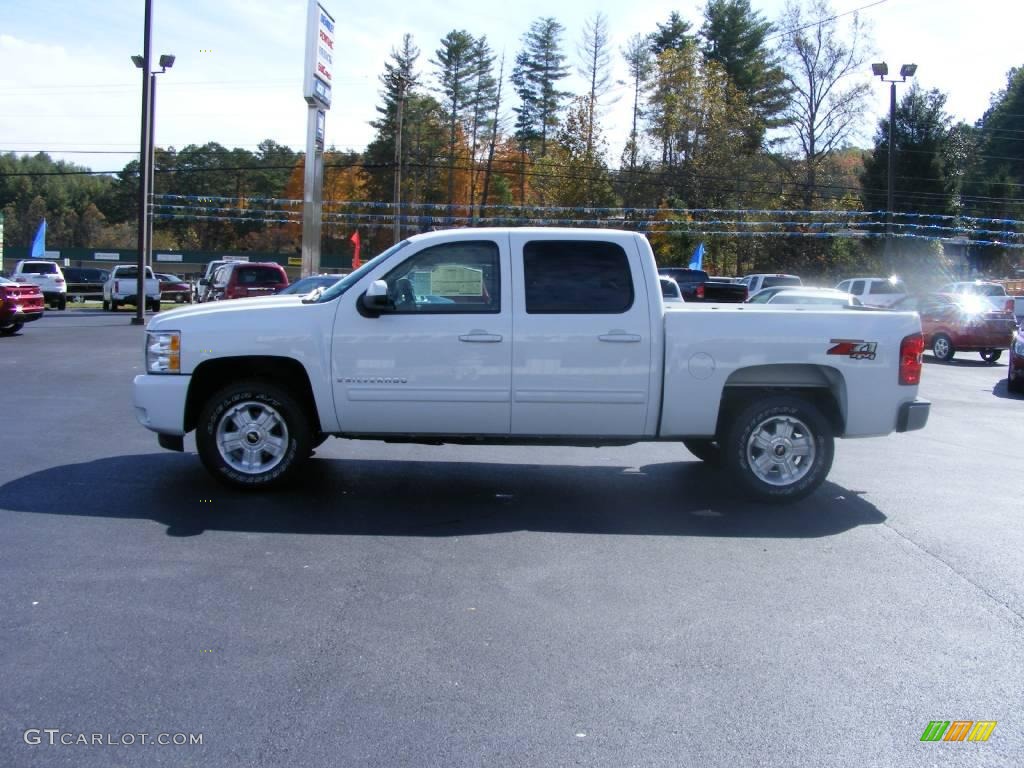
376,299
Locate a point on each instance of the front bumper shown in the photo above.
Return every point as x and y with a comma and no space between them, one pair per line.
913,415
160,402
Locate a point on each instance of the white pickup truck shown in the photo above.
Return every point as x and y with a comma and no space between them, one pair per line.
122,288
526,336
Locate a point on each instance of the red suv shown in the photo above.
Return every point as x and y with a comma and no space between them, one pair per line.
961,323
242,279
20,303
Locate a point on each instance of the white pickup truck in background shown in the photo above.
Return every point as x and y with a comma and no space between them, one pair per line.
527,336
122,288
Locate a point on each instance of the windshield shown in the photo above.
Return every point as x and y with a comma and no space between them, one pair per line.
770,281
354,277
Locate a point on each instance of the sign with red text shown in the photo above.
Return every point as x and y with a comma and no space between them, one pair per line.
319,75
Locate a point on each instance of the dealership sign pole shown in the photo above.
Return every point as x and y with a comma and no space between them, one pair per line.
316,89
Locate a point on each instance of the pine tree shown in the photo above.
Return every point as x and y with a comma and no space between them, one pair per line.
674,35
922,132
456,65
734,35
539,66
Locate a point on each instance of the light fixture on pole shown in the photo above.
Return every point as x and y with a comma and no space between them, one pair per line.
880,70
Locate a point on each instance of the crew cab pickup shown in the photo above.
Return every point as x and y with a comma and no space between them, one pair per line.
697,285
526,336
122,288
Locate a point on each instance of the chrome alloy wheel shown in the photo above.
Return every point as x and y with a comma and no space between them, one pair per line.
781,450
252,437
940,347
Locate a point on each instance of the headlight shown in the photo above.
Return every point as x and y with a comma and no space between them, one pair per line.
1018,344
163,351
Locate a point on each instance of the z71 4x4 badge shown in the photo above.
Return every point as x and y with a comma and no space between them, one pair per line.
855,349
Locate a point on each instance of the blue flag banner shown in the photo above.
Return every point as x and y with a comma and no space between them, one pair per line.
698,257
38,248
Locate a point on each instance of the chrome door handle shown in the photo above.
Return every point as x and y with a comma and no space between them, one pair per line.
481,337
620,336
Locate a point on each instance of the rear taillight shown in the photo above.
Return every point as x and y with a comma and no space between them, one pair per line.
911,352
59,281
117,286
700,291
746,294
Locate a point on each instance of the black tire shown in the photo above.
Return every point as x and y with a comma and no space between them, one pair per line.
113,305
62,303
106,305
991,356
11,329
1016,387
155,306
812,432
942,347
262,395
705,449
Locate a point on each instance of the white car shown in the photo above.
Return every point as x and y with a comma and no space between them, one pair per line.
526,336
759,282
47,275
875,291
804,296
670,293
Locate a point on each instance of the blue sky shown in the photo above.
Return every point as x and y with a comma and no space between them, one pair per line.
67,84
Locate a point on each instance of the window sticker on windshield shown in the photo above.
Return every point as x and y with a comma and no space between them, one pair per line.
855,349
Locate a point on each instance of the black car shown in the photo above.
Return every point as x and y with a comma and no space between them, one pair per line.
85,282
696,285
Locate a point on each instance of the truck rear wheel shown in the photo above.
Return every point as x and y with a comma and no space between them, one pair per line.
253,435
779,448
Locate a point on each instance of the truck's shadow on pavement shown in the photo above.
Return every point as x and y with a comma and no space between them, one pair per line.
434,498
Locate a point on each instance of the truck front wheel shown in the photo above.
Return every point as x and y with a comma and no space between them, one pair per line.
253,435
779,448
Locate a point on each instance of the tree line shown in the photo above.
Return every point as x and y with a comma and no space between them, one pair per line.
740,113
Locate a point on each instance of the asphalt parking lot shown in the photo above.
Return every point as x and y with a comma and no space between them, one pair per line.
453,606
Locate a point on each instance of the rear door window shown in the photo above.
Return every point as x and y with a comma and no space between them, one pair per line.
258,276
568,277
885,287
857,287
31,268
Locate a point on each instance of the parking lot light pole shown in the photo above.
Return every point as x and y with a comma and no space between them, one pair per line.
143,62
880,70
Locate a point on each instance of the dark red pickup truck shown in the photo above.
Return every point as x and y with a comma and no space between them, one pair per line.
697,286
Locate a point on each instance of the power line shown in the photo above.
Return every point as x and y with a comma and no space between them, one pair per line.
823,21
